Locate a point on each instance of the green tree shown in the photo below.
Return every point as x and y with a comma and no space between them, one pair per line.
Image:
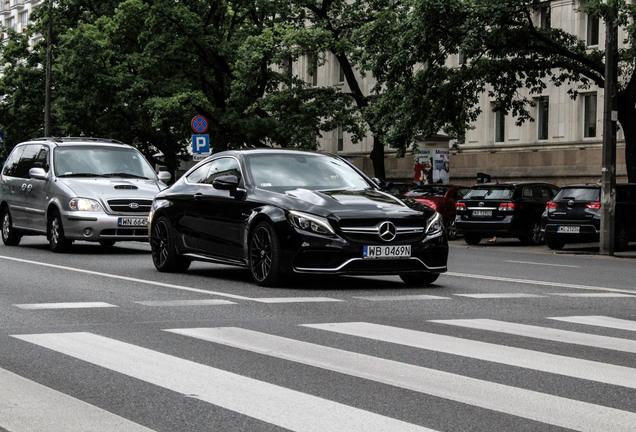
409,41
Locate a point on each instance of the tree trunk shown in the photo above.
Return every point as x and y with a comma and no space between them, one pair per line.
377,157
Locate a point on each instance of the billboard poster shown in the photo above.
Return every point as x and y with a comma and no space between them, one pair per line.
431,163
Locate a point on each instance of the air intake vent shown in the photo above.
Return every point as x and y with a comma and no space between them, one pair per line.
132,187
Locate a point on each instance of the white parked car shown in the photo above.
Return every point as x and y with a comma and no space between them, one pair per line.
71,189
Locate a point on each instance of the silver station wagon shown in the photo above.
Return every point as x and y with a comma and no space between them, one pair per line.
69,189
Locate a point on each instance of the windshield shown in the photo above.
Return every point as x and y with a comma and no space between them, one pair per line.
489,193
579,194
282,172
96,161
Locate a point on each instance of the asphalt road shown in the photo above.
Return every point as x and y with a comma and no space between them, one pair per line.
512,338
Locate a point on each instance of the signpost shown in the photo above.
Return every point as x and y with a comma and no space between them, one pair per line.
200,141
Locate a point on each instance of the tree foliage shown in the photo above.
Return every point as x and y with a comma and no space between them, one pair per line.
505,51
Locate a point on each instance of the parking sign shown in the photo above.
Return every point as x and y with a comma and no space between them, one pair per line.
200,144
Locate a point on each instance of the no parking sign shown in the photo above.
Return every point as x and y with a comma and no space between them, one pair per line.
199,124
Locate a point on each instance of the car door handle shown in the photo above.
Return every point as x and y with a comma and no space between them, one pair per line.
198,196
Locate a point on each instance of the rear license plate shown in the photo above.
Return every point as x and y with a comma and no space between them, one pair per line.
132,221
568,229
402,251
482,213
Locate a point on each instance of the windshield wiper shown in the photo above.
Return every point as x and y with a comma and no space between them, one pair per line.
81,175
125,175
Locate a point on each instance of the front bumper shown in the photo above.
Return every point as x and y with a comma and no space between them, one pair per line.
93,226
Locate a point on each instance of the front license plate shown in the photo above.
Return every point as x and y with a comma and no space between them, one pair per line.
132,222
402,251
482,213
568,229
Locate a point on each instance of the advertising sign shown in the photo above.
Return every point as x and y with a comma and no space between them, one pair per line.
431,163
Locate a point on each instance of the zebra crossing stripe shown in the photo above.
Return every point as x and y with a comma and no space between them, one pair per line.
545,333
600,321
76,305
270,403
528,404
519,357
26,406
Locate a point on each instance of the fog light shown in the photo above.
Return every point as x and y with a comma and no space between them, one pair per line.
88,232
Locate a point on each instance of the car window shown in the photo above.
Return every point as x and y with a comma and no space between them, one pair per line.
27,160
438,191
489,193
282,172
103,161
527,192
11,165
579,194
206,173
460,193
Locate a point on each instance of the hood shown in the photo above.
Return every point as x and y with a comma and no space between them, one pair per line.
373,203
102,188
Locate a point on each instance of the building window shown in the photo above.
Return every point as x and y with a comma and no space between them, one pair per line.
341,74
461,58
592,30
543,110
340,139
589,121
312,69
545,17
500,126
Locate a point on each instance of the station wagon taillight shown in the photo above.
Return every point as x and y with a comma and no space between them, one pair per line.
550,205
460,206
594,205
504,207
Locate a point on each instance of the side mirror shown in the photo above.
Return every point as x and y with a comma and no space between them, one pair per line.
164,176
37,173
226,182
381,183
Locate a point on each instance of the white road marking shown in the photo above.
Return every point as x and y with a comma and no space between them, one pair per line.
542,264
403,298
26,406
270,403
519,357
201,302
600,321
554,410
546,333
75,305
273,300
593,295
499,295
537,282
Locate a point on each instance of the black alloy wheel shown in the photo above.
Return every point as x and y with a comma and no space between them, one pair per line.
162,248
555,244
10,236
264,254
55,233
472,239
451,230
534,236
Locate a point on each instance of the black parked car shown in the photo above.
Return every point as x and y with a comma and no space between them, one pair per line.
503,210
286,212
574,216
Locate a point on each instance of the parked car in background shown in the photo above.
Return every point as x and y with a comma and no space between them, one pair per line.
285,212
76,189
504,210
398,188
574,216
442,198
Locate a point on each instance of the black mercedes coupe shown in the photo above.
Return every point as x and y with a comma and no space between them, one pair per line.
282,213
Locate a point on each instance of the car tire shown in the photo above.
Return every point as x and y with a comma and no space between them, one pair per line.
10,236
55,233
107,243
451,230
621,242
163,250
472,239
419,279
534,236
264,255
555,244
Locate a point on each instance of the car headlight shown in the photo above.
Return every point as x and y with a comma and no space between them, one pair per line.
434,225
85,204
311,223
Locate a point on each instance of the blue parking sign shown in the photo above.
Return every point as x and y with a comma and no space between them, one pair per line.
201,143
